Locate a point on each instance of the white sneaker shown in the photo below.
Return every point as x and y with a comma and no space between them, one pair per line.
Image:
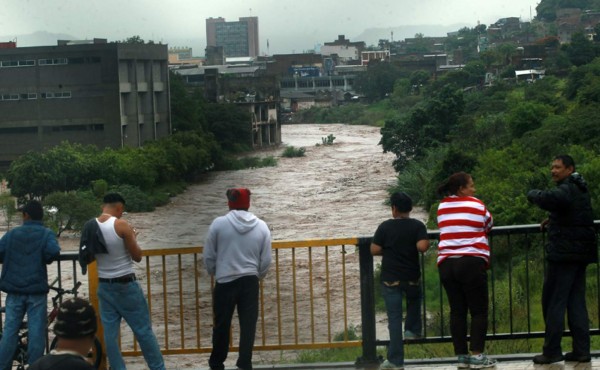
386,365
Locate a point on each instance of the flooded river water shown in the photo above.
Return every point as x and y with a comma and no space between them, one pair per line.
333,191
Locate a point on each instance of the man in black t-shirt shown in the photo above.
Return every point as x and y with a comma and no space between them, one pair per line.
75,328
399,241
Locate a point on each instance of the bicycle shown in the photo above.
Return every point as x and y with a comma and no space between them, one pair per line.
20,356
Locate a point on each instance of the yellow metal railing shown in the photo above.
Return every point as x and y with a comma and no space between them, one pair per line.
310,295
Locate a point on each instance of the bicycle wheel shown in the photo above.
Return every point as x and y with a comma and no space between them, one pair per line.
95,354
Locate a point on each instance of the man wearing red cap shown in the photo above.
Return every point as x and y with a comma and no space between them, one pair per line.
237,252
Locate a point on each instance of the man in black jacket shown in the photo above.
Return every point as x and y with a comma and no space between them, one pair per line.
571,246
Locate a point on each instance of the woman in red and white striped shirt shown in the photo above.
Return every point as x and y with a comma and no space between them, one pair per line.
463,259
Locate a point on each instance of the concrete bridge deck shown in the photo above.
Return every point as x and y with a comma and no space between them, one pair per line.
505,362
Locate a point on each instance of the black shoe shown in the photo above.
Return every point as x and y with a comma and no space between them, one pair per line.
543,359
572,357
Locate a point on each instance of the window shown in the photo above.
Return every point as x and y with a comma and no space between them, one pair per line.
55,61
18,130
6,97
56,95
17,63
83,60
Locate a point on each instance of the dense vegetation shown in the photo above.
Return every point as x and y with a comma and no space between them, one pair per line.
505,134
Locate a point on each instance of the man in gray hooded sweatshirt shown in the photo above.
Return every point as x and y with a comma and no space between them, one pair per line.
237,252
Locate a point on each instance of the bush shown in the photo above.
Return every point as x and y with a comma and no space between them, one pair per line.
292,151
159,198
172,188
136,200
69,210
328,140
230,163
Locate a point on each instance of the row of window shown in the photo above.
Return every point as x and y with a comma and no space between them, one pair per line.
33,96
48,62
50,129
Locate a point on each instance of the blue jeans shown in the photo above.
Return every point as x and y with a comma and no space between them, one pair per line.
392,297
126,301
36,307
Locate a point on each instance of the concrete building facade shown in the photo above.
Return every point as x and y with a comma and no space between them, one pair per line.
346,51
105,94
238,38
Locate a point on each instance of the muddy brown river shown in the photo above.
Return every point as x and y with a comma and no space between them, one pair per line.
333,191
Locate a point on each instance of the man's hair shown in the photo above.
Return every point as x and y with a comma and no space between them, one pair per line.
566,159
401,201
76,318
111,198
34,209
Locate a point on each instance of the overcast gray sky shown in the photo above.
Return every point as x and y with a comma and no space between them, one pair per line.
302,23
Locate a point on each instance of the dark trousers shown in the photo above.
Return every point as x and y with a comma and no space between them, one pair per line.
564,290
243,293
465,282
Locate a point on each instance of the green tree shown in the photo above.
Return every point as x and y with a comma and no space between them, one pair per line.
134,168
475,70
7,207
582,81
187,108
427,126
419,79
230,125
378,81
506,51
546,10
31,175
503,178
69,210
526,116
580,50
136,39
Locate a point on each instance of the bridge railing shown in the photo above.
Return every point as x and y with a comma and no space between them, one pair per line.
308,300
320,292
515,285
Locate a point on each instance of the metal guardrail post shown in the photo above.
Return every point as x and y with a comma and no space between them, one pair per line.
93,288
367,303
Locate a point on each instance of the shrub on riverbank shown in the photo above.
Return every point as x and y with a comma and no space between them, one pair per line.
291,151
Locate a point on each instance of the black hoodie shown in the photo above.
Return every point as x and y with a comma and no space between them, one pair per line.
571,231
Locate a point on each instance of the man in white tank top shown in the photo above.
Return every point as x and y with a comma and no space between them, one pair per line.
120,295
